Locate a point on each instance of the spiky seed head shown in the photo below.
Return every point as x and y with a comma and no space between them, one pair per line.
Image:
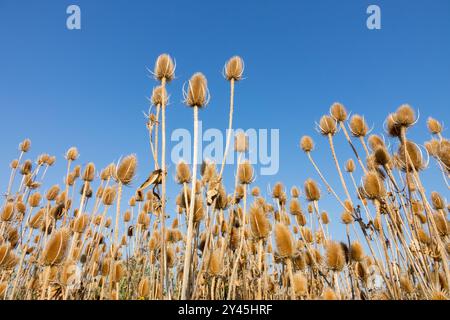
14,164
164,68
327,125
393,126
25,145
414,156
26,167
284,241
335,257
159,96
423,236
234,68
437,201
89,172
444,154
312,191
338,112
433,147
199,210
324,217
294,207
255,191
126,169
52,193
183,173
346,217
295,192
358,126
7,212
215,263
197,94
37,220
356,251
442,224
72,154
375,141
405,115
301,219
350,166
144,287
434,126
381,156
373,186
259,223
307,144
300,284
34,200
245,173
80,223
241,142
56,247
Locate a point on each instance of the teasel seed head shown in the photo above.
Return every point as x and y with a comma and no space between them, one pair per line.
241,142
295,207
312,191
350,166
197,94
373,186
52,193
7,212
357,252
382,156
437,201
234,69
346,217
25,145
284,241
215,263
327,125
335,257
415,155
126,170
14,164
375,142
144,287
259,223
307,144
245,173
358,126
442,224
300,284
338,112
434,126
89,172
183,173
56,248
159,96
393,127
328,294
405,116
255,191
433,147
34,200
164,68
80,223
37,220
72,154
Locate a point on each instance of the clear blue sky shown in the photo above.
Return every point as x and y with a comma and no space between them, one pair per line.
88,88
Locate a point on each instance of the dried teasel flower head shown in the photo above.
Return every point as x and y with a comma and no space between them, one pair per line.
358,126
159,96
126,169
183,173
434,126
350,166
241,142
245,173
405,116
197,94
164,68
72,154
307,144
234,69
338,112
25,145
312,191
327,125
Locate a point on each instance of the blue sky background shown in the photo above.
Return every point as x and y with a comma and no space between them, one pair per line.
88,88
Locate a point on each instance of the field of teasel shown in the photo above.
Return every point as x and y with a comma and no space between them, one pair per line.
80,239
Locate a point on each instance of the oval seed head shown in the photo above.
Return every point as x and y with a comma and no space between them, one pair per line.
164,68
26,167
307,144
159,96
234,69
327,125
358,126
183,173
241,142
324,217
25,145
14,164
434,126
52,193
259,223
335,257
356,251
437,201
197,94
414,156
442,225
312,191
444,154
89,172
338,112
215,263
381,156
295,192
72,154
80,223
255,192
7,212
346,217
126,169
433,147
294,207
300,284
284,241
34,200
56,247
350,166
405,115
375,141
144,287
245,173
393,126
37,220
373,186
